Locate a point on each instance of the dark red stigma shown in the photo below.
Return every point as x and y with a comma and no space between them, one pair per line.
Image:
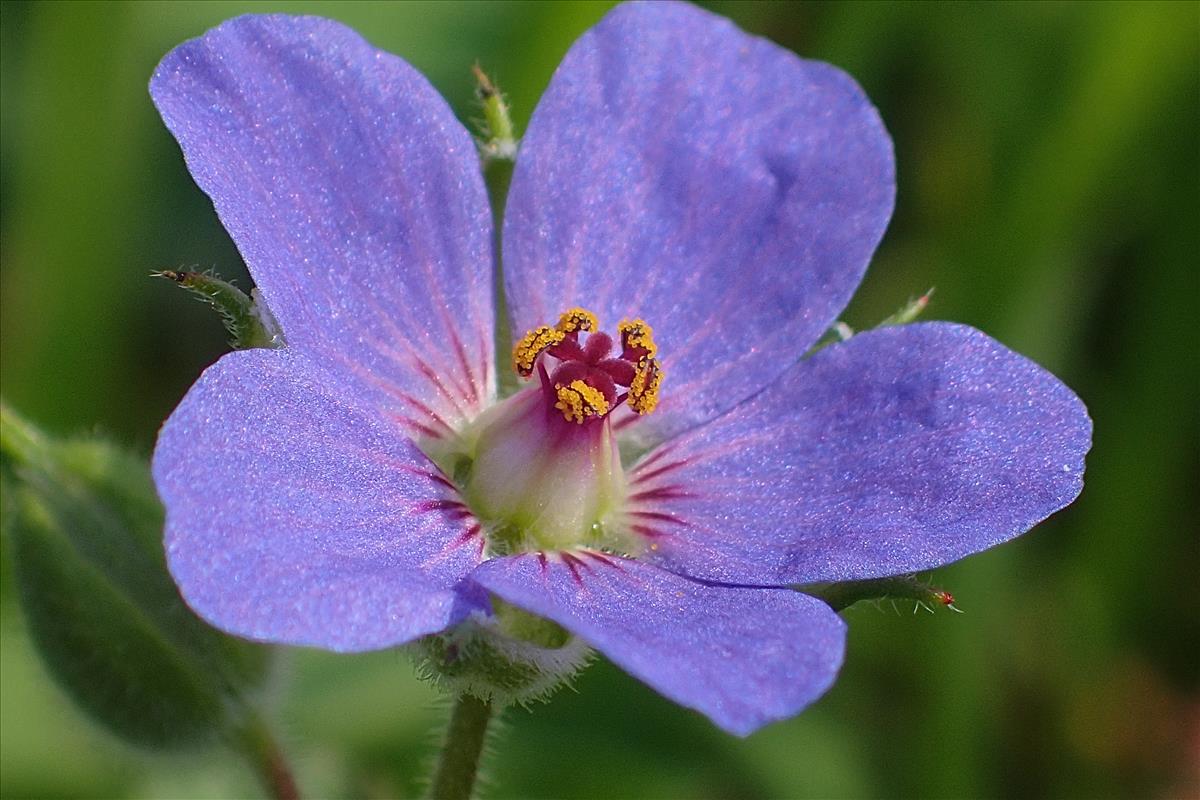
592,364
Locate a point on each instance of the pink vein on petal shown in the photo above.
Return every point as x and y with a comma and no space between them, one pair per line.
575,565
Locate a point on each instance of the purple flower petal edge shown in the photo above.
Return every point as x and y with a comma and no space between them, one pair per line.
900,450
707,181
742,657
295,516
356,199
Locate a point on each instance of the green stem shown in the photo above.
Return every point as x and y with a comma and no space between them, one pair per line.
458,763
498,175
265,757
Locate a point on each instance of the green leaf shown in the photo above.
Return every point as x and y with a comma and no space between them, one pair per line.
85,530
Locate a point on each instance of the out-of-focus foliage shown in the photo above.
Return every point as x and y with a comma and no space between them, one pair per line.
86,529
1049,172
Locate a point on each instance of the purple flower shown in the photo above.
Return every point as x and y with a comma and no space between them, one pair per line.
714,200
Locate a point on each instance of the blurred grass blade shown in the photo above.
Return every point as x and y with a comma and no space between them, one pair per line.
85,530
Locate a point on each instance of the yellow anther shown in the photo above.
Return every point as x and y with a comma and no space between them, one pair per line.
577,319
643,390
637,335
578,401
531,346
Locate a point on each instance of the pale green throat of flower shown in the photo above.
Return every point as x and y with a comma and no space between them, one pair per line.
540,470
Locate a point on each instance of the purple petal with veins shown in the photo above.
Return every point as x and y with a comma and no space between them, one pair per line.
356,199
296,515
900,450
707,181
742,657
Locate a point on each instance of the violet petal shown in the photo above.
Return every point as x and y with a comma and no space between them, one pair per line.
707,181
295,516
900,450
742,657
354,196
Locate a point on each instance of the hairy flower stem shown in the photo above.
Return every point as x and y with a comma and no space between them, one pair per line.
267,760
458,763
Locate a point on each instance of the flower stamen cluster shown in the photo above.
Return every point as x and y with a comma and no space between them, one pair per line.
584,383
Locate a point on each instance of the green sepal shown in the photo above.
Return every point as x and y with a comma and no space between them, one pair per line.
840,331
85,527
508,657
909,312
497,135
844,594
247,320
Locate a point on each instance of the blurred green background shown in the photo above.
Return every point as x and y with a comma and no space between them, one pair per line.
1048,187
